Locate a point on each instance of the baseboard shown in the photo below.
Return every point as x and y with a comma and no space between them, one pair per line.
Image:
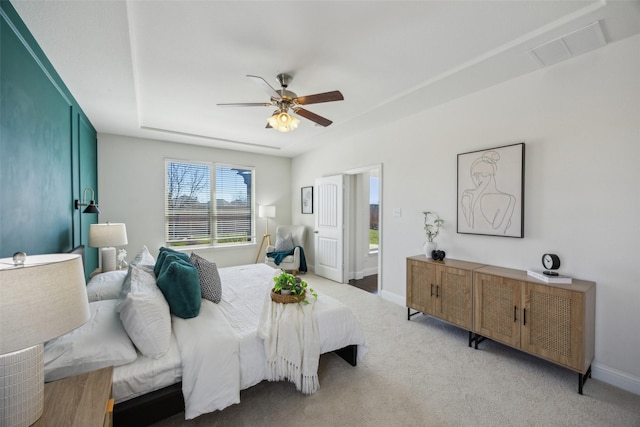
394,298
370,271
615,377
355,275
358,275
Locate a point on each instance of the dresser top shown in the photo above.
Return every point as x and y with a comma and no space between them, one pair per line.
521,275
454,263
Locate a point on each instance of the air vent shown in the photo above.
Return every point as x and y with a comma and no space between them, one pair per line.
573,44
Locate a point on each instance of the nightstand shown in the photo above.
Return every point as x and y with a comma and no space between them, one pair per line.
83,400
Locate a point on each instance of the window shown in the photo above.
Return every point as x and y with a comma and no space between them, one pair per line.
208,204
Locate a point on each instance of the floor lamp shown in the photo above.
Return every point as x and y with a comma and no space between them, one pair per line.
265,212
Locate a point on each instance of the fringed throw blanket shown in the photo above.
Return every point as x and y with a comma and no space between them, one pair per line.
291,343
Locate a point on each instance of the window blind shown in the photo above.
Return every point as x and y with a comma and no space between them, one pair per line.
233,212
191,216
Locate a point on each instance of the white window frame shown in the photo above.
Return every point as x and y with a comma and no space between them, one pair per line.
212,239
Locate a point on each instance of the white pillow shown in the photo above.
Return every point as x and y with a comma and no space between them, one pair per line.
126,283
145,314
284,243
99,343
105,285
144,257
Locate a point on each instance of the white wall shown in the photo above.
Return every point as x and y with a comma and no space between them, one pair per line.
131,177
580,121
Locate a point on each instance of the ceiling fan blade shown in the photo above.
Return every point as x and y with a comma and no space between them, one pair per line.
247,104
265,86
319,97
312,116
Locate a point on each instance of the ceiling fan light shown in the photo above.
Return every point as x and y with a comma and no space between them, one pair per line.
283,122
273,121
283,118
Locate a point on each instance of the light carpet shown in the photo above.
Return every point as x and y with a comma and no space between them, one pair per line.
421,372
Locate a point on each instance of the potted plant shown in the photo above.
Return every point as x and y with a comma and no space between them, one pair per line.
294,287
432,224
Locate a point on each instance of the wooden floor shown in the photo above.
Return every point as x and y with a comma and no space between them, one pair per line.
368,283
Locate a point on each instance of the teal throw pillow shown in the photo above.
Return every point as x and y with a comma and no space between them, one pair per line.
180,285
162,256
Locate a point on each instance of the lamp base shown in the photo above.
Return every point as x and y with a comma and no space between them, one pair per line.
108,259
22,386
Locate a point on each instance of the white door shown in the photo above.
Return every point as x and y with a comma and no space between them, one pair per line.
329,232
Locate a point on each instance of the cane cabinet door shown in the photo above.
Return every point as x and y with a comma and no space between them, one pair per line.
552,324
453,296
498,308
421,286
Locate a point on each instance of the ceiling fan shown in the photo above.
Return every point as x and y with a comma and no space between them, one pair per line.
285,100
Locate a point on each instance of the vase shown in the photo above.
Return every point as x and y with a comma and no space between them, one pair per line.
429,247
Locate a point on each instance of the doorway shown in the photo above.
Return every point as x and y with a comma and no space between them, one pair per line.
363,231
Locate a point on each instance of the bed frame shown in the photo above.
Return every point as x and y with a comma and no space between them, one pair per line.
160,404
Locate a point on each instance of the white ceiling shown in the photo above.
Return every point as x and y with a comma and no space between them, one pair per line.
157,69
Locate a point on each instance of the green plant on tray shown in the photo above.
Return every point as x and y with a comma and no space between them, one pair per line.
296,286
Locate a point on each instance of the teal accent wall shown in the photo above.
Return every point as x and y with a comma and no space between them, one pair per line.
48,151
88,178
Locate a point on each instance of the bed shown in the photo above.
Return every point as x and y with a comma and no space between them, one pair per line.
208,358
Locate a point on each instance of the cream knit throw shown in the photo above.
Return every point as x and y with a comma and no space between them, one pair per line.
291,343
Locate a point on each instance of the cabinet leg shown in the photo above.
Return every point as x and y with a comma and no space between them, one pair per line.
410,314
475,338
583,379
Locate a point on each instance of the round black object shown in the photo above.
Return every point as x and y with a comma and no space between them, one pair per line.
551,261
438,255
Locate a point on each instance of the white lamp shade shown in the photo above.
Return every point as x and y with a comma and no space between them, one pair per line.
42,300
109,234
266,211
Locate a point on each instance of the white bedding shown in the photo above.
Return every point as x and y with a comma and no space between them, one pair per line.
218,353
242,305
145,374
210,361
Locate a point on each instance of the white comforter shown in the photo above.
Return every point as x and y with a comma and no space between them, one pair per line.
221,351
210,361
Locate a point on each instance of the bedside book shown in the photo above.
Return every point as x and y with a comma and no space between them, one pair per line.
549,279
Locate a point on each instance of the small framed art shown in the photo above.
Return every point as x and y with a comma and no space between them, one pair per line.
306,199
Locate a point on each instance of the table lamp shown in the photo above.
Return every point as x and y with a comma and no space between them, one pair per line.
41,298
105,236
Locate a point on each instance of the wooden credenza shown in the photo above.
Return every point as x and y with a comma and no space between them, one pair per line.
80,401
552,321
442,289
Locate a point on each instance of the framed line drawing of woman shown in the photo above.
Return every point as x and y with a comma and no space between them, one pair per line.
491,191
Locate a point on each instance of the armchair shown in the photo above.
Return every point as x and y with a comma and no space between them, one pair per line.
296,260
